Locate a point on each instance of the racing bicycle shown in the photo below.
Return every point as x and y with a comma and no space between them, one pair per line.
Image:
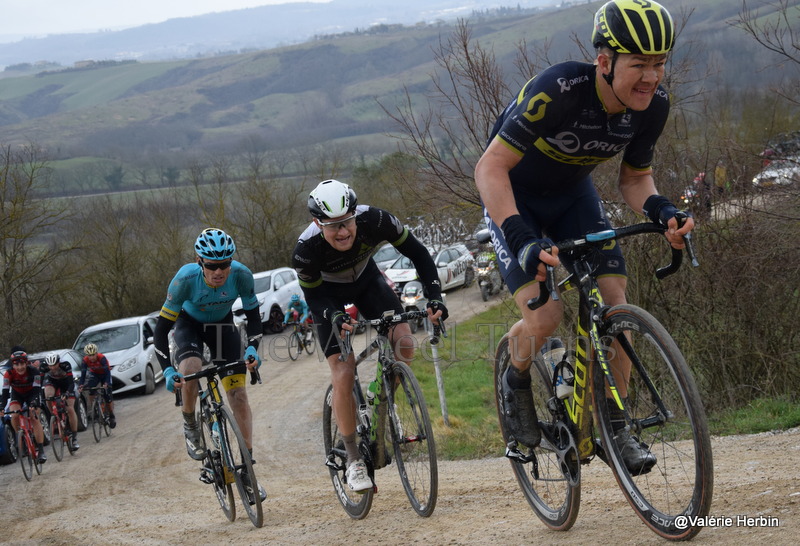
301,338
26,445
393,411
227,460
59,426
660,402
101,421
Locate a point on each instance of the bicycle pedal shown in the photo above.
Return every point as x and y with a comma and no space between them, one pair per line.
206,477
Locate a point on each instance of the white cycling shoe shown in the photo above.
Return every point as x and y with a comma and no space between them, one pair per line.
357,477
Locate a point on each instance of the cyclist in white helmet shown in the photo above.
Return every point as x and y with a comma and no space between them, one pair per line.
333,259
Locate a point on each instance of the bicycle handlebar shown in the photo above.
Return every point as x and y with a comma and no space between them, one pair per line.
387,319
255,376
548,288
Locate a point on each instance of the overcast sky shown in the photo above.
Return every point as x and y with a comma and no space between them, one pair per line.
42,17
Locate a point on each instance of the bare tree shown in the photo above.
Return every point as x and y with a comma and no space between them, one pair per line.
779,32
28,251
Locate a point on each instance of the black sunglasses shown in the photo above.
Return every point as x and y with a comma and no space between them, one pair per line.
214,267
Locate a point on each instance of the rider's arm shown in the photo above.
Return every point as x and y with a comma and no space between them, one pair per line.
83,372
161,340
254,328
493,182
426,269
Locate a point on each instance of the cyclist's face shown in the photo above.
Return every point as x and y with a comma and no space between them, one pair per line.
340,232
216,272
636,78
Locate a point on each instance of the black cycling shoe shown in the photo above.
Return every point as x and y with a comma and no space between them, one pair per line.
74,440
636,455
195,446
519,414
41,458
248,487
112,421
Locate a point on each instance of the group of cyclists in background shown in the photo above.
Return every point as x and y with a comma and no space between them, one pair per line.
28,384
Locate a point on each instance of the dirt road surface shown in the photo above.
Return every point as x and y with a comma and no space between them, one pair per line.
139,486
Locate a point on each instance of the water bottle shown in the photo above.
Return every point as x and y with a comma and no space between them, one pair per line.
552,354
215,434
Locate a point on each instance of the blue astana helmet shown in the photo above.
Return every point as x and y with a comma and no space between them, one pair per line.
295,298
214,244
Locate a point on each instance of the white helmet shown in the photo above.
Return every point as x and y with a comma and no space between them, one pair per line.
331,199
51,359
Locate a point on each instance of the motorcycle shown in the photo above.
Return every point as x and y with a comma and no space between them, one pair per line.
413,299
486,273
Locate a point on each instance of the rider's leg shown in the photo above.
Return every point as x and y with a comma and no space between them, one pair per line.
612,288
528,334
344,409
14,406
191,428
403,342
71,415
38,433
237,398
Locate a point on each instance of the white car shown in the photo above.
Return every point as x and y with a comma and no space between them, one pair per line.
386,256
128,345
454,265
274,289
780,172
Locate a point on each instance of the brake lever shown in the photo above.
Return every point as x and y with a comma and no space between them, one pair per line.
347,347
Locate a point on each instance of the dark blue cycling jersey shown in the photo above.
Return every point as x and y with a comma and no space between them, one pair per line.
559,127
561,130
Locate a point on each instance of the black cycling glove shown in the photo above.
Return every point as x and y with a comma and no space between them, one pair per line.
436,305
659,209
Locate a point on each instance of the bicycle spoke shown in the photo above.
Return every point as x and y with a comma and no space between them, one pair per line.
357,505
667,423
549,493
414,445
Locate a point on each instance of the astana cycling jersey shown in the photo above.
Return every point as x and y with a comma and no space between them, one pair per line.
561,130
189,291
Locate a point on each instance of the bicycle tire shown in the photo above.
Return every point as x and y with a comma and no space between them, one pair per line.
357,505
97,419
105,414
237,458
311,344
24,454
681,481
56,437
413,439
295,345
548,491
223,488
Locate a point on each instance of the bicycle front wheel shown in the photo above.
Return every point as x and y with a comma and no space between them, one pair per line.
97,420
357,505
544,485
667,421
237,458
221,479
412,437
295,345
26,456
56,437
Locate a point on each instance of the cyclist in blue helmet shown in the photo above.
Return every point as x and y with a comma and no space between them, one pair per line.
297,306
198,305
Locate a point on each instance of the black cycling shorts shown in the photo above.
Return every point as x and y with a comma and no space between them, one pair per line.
65,385
222,338
566,215
370,294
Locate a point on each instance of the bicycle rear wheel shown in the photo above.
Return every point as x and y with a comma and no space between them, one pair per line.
311,341
548,491
357,505
295,345
213,469
668,420
412,437
97,419
25,456
56,437
237,458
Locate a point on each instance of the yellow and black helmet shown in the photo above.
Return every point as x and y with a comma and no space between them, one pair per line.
634,26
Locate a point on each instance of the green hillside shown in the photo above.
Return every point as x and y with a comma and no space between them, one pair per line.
323,91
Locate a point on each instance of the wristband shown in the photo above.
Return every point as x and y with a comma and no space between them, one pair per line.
659,209
516,233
